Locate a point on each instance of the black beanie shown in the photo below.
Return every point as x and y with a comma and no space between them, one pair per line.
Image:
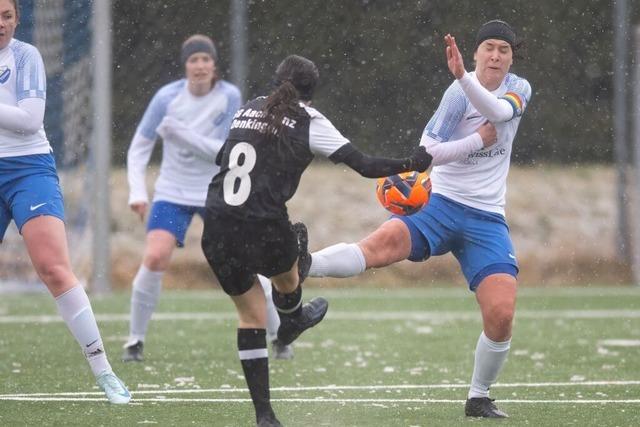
496,29
196,44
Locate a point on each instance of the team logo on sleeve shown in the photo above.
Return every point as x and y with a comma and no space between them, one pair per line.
5,72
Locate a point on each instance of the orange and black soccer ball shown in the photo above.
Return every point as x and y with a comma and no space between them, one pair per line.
405,193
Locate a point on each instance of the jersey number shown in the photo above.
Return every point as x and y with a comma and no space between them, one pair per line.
237,182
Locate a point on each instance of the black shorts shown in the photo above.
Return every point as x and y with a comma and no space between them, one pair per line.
238,250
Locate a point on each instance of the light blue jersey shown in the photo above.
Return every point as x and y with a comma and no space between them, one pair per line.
185,172
22,76
479,180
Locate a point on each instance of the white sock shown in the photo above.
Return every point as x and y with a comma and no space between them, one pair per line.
75,309
144,298
340,260
273,319
489,358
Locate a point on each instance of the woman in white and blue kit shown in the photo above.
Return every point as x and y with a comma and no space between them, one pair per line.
192,116
30,193
470,137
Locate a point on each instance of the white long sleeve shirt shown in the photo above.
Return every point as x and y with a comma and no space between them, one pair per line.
23,92
464,171
188,153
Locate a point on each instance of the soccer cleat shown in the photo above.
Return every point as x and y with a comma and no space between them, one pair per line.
483,407
292,326
115,389
304,257
269,420
133,352
280,351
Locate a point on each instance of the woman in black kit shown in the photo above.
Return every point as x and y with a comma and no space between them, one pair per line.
247,229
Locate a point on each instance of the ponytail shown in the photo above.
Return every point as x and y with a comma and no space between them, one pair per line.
282,102
295,80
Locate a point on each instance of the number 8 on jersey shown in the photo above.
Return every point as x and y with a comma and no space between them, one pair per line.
237,182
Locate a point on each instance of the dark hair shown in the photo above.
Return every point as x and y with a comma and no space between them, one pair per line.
295,80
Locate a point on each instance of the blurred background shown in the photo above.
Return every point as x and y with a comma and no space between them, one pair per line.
383,72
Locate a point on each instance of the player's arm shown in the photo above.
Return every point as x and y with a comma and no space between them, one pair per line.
176,131
140,151
205,146
26,118
326,140
138,157
459,149
375,167
495,109
31,92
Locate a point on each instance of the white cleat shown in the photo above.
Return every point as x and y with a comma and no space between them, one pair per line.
115,389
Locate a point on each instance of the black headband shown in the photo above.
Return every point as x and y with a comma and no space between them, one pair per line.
196,46
496,29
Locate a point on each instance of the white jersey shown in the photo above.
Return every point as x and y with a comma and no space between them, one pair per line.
185,172
480,179
22,77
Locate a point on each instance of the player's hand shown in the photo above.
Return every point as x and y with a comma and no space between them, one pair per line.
139,208
420,159
488,134
454,58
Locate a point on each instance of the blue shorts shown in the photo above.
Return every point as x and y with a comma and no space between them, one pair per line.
173,218
29,187
478,239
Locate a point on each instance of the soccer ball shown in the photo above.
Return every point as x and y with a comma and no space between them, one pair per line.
405,193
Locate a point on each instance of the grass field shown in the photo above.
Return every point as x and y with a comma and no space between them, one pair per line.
380,358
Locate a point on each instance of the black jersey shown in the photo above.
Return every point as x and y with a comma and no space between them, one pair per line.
260,169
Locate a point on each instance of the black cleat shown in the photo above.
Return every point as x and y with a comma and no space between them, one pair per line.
304,257
133,352
292,326
268,421
483,407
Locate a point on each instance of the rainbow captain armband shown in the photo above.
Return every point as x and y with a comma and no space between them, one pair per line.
515,101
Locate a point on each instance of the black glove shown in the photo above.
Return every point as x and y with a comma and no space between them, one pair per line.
420,160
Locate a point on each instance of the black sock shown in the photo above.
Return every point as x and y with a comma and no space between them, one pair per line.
287,304
252,349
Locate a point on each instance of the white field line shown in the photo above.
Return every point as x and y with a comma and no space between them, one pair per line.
424,293
365,293
362,315
334,388
323,400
